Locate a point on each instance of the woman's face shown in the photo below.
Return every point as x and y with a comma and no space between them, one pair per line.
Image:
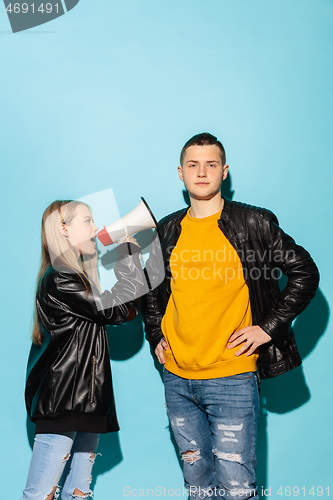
81,231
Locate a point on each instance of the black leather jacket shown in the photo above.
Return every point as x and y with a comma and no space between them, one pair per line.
69,375
263,249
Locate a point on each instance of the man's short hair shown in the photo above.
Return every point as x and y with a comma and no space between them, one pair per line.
203,139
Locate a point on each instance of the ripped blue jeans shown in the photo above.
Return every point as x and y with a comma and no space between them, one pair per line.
51,453
214,422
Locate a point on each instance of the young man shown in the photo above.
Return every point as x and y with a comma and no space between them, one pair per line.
218,317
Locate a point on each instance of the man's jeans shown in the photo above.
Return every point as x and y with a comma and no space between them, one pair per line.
217,420
51,453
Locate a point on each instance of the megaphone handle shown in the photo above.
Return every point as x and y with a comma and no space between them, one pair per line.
123,240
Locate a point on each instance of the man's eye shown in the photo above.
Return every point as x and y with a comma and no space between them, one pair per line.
212,165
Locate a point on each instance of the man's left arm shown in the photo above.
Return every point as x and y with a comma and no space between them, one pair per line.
303,278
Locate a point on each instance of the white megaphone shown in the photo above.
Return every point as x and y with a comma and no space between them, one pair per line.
140,218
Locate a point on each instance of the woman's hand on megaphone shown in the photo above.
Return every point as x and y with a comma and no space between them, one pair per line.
125,249
131,239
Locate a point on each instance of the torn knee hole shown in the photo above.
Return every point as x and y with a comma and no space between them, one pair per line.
191,456
79,493
229,457
93,456
66,457
53,494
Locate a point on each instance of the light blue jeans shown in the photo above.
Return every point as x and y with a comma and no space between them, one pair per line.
215,426
51,453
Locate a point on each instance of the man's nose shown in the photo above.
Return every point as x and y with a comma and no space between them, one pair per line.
202,171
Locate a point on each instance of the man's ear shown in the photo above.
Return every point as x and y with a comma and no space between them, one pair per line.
180,173
225,171
63,230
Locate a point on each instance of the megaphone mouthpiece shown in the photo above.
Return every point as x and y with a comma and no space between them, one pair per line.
104,237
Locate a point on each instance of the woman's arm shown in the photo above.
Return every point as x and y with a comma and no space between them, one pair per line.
67,292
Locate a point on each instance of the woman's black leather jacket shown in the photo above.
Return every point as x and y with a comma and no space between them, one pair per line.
69,374
265,251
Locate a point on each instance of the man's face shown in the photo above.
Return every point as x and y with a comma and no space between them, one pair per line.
202,172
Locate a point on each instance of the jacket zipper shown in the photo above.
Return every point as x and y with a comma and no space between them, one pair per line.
94,363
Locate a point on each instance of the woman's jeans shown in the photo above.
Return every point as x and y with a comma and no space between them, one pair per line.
215,421
51,453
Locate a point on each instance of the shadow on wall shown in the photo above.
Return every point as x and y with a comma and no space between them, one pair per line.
124,342
109,448
290,391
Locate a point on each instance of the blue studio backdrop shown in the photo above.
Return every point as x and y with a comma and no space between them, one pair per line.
104,96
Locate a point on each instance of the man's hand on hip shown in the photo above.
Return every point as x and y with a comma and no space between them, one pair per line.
159,351
253,336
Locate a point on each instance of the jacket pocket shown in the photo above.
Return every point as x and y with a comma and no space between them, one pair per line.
93,376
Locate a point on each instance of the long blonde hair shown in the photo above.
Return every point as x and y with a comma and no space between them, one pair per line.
57,252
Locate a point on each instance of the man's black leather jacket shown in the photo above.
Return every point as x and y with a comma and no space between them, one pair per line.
265,251
69,375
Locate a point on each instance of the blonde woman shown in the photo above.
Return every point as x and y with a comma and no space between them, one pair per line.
69,389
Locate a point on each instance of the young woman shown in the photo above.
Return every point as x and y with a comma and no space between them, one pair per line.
69,389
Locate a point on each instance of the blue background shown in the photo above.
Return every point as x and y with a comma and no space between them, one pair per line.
105,97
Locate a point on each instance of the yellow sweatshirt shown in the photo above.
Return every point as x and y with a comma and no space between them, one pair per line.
209,302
